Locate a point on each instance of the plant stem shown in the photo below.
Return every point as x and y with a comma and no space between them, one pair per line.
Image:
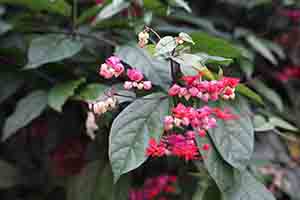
74,15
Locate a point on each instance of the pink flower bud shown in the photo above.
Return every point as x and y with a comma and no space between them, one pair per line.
127,85
135,75
147,85
193,91
174,90
105,71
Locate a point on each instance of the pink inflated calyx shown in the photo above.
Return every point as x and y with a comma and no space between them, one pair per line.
135,75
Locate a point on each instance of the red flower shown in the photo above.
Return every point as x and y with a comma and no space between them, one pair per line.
68,158
224,115
154,149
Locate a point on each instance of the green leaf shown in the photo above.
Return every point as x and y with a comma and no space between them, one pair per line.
234,139
9,84
207,59
234,184
26,110
260,47
261,124
131,130
247,92
246,187
89,13
268,93
156,6
60,93
280,123
181,4
214,46
55,6
91,92
8,175
247,67
165,45
111,9
51,48
155,70
219,170
96,182
186,37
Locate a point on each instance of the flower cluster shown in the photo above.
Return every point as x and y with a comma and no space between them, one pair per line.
102,107
114,68
201,119
205,90
155,188
184,145
136,80
290,72
179,145
111,67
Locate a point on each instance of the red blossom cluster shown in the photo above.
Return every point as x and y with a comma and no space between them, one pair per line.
184,145
289,72
201,119
136,80
155,188
205,90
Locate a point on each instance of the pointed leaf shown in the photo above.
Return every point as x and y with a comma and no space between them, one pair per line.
214,46
234,139
260,47
51,48
247,92
186,37
131,130
26,110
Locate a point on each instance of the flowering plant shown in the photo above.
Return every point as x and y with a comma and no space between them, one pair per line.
129,100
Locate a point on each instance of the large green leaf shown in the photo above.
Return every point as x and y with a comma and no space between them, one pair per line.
60,93
157,71
8,175
246,187
234,184
96,182
234,139
9,84
55,6
219,170
213,46
131,130
26,110
51,48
